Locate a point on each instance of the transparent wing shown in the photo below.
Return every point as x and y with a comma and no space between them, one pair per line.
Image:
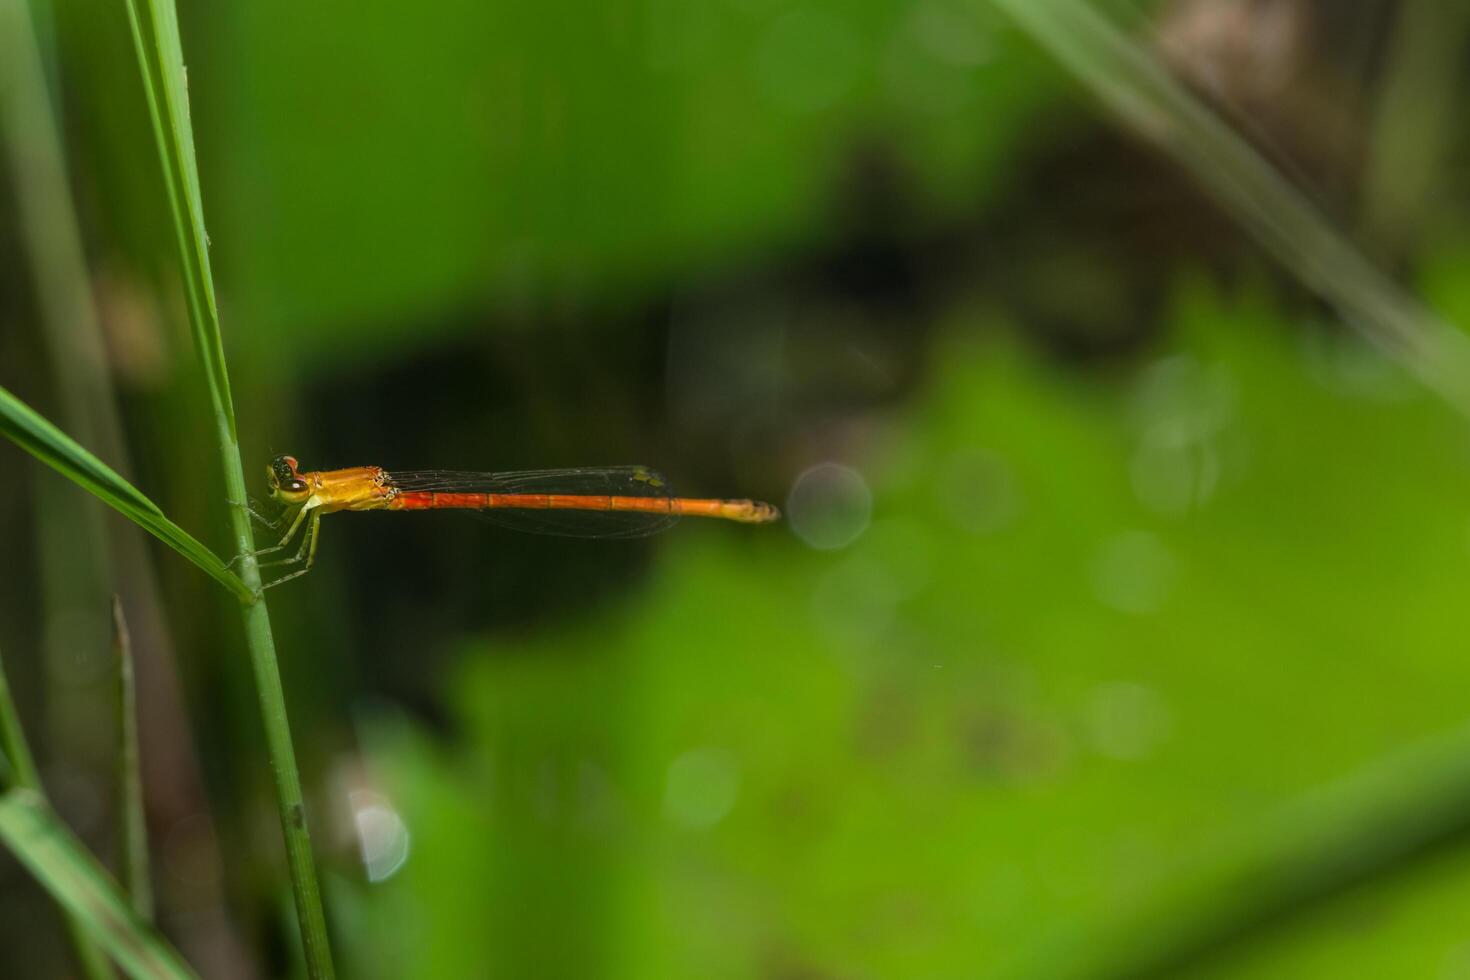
610,481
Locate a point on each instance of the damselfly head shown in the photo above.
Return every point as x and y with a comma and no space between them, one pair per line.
286,483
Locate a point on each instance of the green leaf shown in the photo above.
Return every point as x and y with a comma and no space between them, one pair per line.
38,838
33,433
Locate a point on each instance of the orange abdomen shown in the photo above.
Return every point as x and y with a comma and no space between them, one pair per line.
747,511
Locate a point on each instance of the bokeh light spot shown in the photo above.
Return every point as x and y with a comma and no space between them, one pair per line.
1183,411
1133,572
701,788
1127,720
382,836
829,506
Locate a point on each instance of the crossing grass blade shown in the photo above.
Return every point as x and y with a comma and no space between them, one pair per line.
28,429
72,876
19,772
1129,80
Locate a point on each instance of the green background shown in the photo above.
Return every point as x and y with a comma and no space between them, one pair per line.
1152,579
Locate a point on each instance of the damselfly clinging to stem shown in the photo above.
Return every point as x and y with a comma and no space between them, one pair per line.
609,502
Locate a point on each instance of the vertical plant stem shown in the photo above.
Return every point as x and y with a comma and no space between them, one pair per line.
132,828
155,32
305,890
23,774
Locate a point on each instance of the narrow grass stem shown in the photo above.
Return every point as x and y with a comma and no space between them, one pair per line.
132,828
155,32
305,889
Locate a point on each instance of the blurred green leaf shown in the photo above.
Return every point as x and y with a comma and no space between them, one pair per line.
80,884
1101,646
531,155
33,433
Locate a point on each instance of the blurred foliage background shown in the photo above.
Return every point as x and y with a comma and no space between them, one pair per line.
1116,626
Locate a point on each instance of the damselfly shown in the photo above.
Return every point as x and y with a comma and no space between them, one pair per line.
609,502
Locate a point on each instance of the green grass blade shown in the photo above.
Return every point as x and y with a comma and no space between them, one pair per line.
20,772
40,841
33,433
160,60
1130,81
132,829
20,766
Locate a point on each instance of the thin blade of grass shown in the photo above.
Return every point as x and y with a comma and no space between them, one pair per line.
21,767
160,58
37,436
132,828
40,841
20,772
156,41
1130,81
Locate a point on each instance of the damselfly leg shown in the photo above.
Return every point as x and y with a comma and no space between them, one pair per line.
307,553
296,525
251,507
